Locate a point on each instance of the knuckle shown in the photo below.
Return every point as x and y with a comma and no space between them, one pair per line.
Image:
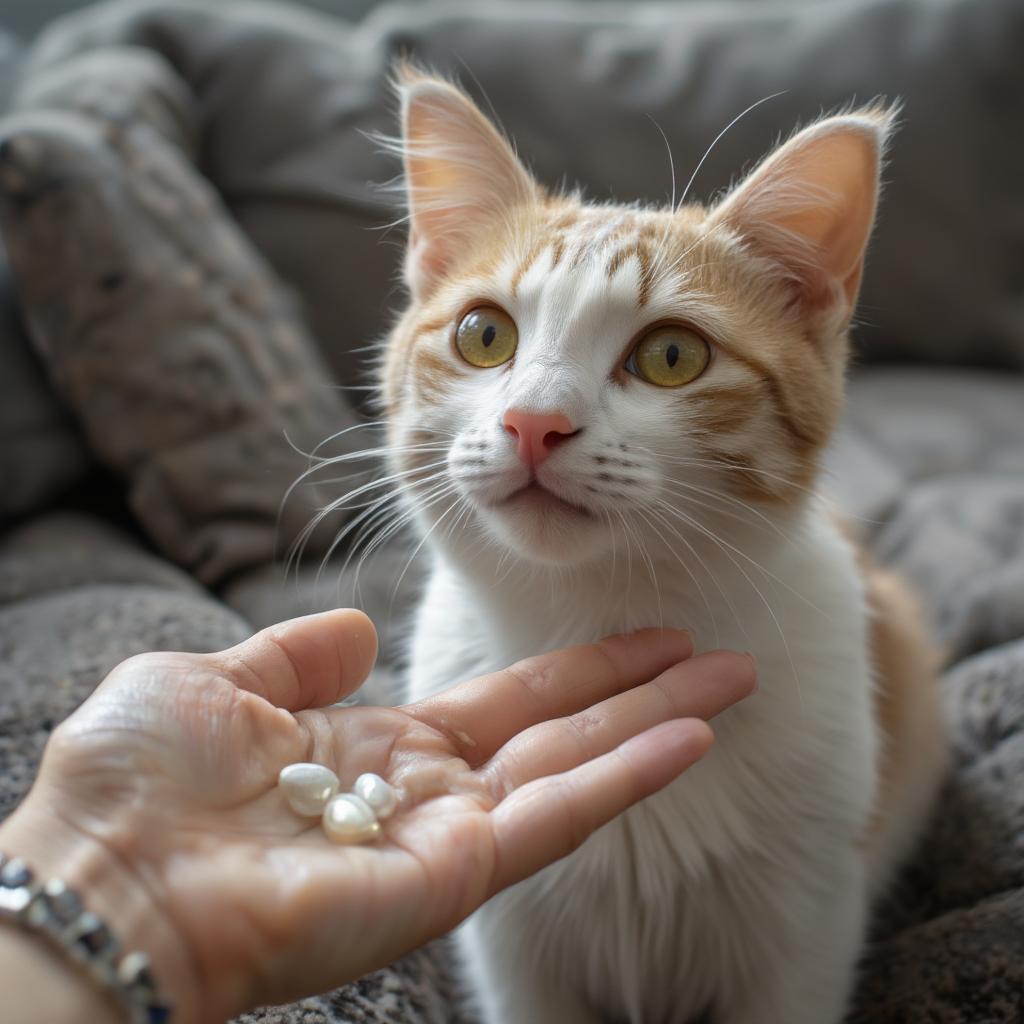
535,675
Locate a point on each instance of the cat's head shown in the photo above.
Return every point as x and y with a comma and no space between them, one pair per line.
566,370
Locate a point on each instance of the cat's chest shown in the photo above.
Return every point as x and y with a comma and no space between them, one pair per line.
459,634
807,631
463,631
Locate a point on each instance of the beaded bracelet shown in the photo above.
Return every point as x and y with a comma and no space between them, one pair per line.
55,912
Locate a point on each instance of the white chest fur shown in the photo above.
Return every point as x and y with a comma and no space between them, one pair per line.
740,886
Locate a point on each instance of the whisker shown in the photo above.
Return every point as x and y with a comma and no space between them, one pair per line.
367,517
733,500
629,554
718,138
689,572
343,503
424,539
654,577
437,493
766,572
713,537
672,488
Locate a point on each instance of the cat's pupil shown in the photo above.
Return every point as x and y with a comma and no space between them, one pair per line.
488,335
672,355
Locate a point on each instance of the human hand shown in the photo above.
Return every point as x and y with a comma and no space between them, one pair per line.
158,797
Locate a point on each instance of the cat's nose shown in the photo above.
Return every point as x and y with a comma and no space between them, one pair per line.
537,434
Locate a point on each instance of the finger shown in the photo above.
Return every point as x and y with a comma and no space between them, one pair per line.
308,662
550,817
481,715
701,687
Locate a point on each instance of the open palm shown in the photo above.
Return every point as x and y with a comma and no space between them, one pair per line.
173,765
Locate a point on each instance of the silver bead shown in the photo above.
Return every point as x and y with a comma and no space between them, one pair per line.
15,902
307,787
378,793
64,903
136,972
349,819
15,874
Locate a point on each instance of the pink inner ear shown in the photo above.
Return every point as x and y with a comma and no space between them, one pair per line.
810,206
460,174
842,166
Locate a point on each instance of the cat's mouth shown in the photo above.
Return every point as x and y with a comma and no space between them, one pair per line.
536,497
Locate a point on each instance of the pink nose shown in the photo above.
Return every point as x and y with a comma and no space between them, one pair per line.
537,433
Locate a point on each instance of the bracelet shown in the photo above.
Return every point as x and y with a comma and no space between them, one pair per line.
55,912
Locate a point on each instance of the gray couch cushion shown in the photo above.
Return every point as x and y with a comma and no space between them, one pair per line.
182,356
79,598
40,451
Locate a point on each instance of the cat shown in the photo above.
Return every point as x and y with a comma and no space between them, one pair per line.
604,417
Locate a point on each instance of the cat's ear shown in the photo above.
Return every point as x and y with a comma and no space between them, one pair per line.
461,176
810,205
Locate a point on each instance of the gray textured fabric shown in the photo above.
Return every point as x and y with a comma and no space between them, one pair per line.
77,599
40,451
61,551
284,96
954,524
180,354
949,943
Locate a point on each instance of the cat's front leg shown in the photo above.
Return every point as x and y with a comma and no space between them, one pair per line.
512,980
803,972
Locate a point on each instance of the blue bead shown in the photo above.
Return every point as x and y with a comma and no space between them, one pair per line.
158,1013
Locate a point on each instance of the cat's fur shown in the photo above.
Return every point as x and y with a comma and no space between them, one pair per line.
743,888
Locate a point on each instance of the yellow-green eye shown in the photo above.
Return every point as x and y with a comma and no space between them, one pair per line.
486,336
669,356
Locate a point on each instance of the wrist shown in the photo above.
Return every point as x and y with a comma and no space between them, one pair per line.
118,892
41,984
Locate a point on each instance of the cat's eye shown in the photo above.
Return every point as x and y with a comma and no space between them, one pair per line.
486,336
669,356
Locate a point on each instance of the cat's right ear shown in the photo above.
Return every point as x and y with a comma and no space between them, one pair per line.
810,206
461,176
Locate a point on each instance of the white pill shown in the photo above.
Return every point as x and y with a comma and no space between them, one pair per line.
378,793
307,787
348,819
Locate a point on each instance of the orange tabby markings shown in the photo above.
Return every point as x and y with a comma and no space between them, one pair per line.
643,257
528,261
727,409
557,251
433,374
914,754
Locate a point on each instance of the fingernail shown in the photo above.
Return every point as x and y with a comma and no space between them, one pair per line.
753,661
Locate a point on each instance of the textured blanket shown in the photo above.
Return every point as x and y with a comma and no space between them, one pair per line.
179,363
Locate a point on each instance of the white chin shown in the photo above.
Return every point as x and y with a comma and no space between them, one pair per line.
542,528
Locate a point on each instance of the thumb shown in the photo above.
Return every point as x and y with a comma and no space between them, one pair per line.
309,662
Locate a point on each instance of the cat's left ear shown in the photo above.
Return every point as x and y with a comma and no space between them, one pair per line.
461,177
810,206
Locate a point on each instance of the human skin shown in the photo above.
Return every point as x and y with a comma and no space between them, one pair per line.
157,800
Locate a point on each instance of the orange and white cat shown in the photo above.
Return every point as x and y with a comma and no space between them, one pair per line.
607,417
